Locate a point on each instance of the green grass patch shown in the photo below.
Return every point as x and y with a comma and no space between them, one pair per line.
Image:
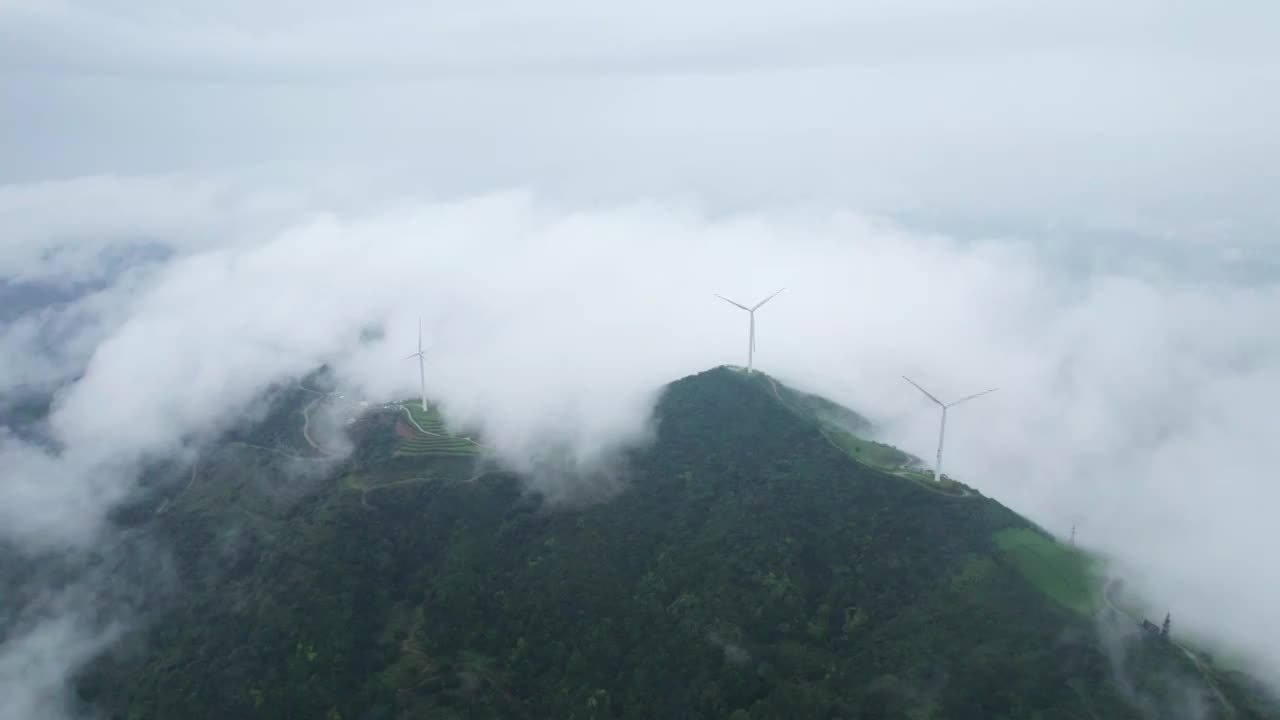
429,445
1064,574
920,476
889,459
428,420
436,442
426,442
436,453
867,452
434,449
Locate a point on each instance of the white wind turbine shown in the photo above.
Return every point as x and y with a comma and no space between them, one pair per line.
942,430
422,365
751,342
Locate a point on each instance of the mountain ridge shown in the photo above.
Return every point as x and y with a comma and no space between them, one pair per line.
749,567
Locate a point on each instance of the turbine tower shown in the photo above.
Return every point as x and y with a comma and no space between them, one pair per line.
751,340
422,365
942,430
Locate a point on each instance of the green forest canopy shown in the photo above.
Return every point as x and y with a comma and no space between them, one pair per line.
750,567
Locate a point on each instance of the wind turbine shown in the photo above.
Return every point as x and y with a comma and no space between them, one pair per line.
751,342
942,430
422,365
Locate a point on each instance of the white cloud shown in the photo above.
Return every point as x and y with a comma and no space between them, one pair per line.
1128,150
36,663
448,36
1140,118
1135,407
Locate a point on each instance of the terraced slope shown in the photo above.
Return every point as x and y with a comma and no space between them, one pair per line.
423,434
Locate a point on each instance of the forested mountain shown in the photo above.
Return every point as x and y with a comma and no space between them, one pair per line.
761,560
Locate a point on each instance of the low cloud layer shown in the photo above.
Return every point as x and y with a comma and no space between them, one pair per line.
1072,202
1144,118
1132,405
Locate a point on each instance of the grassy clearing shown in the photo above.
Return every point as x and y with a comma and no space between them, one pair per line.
868,452
891,460
428,420
842,426
1064,574
435,447
435,442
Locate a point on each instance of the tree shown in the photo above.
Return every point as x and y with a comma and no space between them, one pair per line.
1164,629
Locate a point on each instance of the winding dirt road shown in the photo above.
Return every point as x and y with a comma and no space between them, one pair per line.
366,489
164,506
1205,672
306,426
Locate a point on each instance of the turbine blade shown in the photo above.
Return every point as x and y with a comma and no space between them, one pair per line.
970,397
419,333
413,356
744,307
762,302
926,392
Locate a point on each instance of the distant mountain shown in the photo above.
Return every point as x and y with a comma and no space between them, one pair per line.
24,405
762,560
19,296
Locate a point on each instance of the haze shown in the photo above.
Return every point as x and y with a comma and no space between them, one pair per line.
1072,202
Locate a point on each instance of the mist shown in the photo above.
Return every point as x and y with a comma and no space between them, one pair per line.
1072,204
1129,406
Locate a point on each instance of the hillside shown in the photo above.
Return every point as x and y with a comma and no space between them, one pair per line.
758,562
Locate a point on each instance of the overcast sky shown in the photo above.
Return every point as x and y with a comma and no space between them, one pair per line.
1073,201
1147,115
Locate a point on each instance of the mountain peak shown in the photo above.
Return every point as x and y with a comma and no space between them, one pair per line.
763,560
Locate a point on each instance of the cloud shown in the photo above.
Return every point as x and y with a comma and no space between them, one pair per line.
1135,407
59,612
35,666
88,228
1142,120
333,38
1073,202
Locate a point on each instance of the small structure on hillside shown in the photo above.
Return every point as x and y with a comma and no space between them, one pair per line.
1160,631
